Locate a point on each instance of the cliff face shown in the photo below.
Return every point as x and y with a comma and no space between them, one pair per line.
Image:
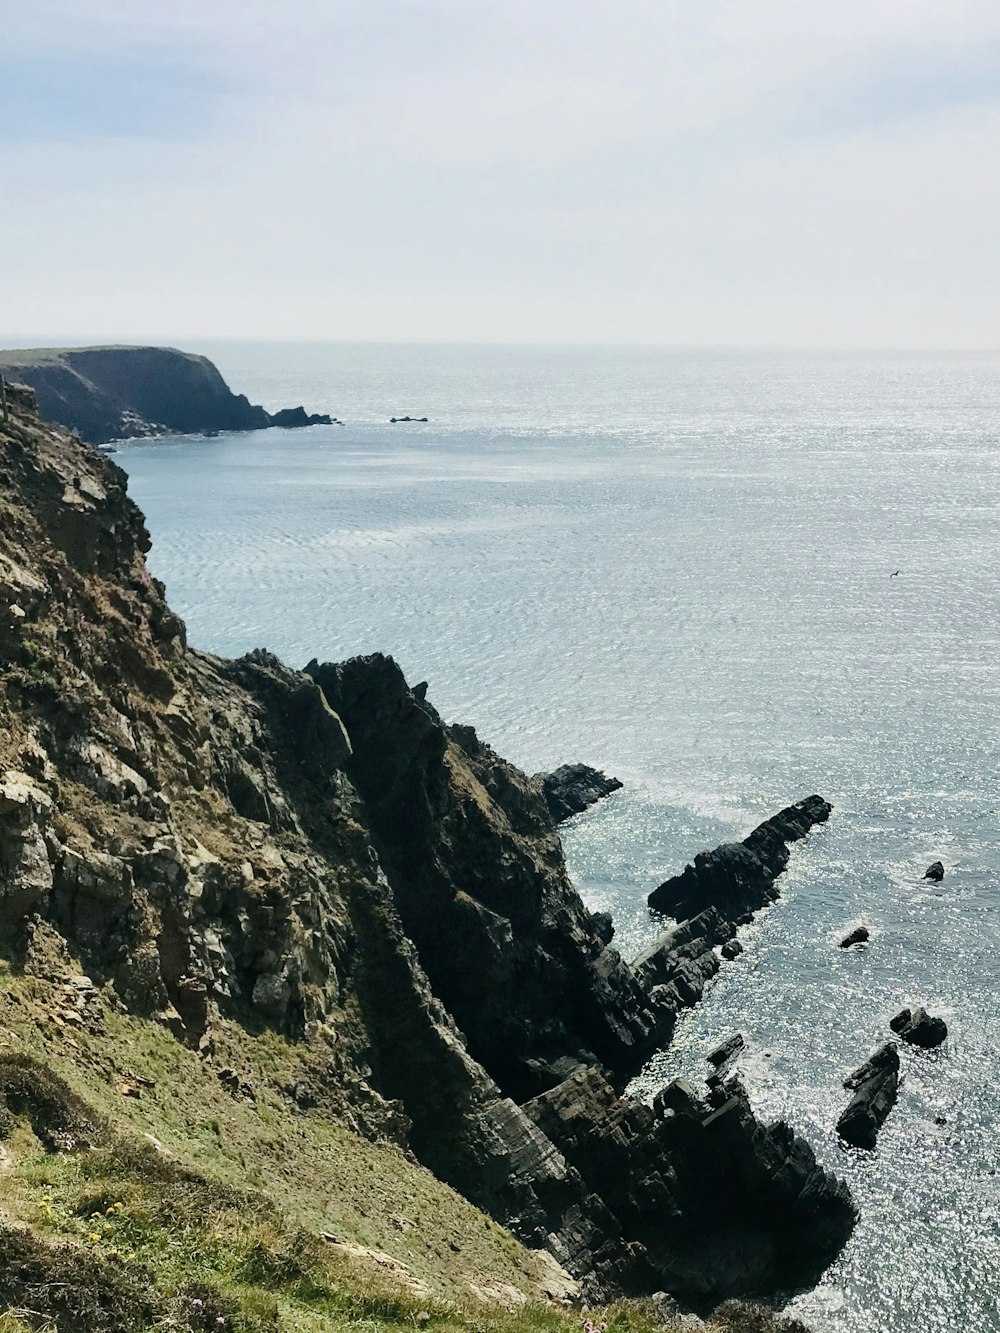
109,393
233,847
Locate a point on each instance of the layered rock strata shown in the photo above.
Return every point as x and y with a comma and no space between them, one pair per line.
317,853
875,1086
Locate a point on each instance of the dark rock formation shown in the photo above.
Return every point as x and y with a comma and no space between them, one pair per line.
574,787
935,872
289,418
398,421
682,1174
482,890
738,877
875,1086
859,935
109,393
709,900
919,1028
320,855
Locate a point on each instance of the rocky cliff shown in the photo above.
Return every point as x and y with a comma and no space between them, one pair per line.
111,393
229,849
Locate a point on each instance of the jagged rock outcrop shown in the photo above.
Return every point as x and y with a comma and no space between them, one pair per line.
573,788
919,1028
481,886
111,393
738,878
719,1203
934,872
319,854
875,1085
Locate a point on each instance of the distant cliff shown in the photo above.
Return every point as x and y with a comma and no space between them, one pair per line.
111,393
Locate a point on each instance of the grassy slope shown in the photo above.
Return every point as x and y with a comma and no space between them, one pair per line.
38,356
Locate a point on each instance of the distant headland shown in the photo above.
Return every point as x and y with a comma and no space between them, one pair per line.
113,393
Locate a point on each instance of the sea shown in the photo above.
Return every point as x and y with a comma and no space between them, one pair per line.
730,579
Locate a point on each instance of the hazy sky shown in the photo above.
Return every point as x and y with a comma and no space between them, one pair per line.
814,172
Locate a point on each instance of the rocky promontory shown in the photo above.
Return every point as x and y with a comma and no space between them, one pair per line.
308,890
112,393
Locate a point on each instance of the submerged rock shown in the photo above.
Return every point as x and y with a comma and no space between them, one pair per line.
919,1027
875,1085
935,872
859,935
573,788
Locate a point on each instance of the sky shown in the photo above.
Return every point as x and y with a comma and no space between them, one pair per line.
793,173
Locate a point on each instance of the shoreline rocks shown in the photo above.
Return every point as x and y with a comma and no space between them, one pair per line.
573,788
875,1085
859,935
738,877
919,1028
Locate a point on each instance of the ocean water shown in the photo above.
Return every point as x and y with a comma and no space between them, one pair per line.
682,567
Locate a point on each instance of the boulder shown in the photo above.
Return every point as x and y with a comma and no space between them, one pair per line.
919,1028
859,935
875,1085
935,872
574,787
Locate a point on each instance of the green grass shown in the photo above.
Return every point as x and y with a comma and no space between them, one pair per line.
186,1194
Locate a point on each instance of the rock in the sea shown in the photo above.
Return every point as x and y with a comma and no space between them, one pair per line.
875,1086
859,935
726,1050
398,421
738,877
574,787
935,872
293,417
919,1027
731,949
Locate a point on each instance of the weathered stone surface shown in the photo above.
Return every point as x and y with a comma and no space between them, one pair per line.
573,788
875,1085
935,872
919,1028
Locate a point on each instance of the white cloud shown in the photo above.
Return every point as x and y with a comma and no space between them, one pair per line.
680,172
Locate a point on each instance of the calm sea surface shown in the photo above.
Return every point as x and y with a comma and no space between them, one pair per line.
677,567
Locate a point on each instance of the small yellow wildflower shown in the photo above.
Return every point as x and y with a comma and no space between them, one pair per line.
94,1236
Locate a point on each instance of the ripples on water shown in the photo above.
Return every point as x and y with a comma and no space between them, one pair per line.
677,567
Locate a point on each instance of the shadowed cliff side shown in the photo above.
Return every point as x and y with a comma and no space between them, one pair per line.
111,393
236,849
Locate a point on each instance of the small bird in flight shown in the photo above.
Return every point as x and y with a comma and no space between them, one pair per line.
894,574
